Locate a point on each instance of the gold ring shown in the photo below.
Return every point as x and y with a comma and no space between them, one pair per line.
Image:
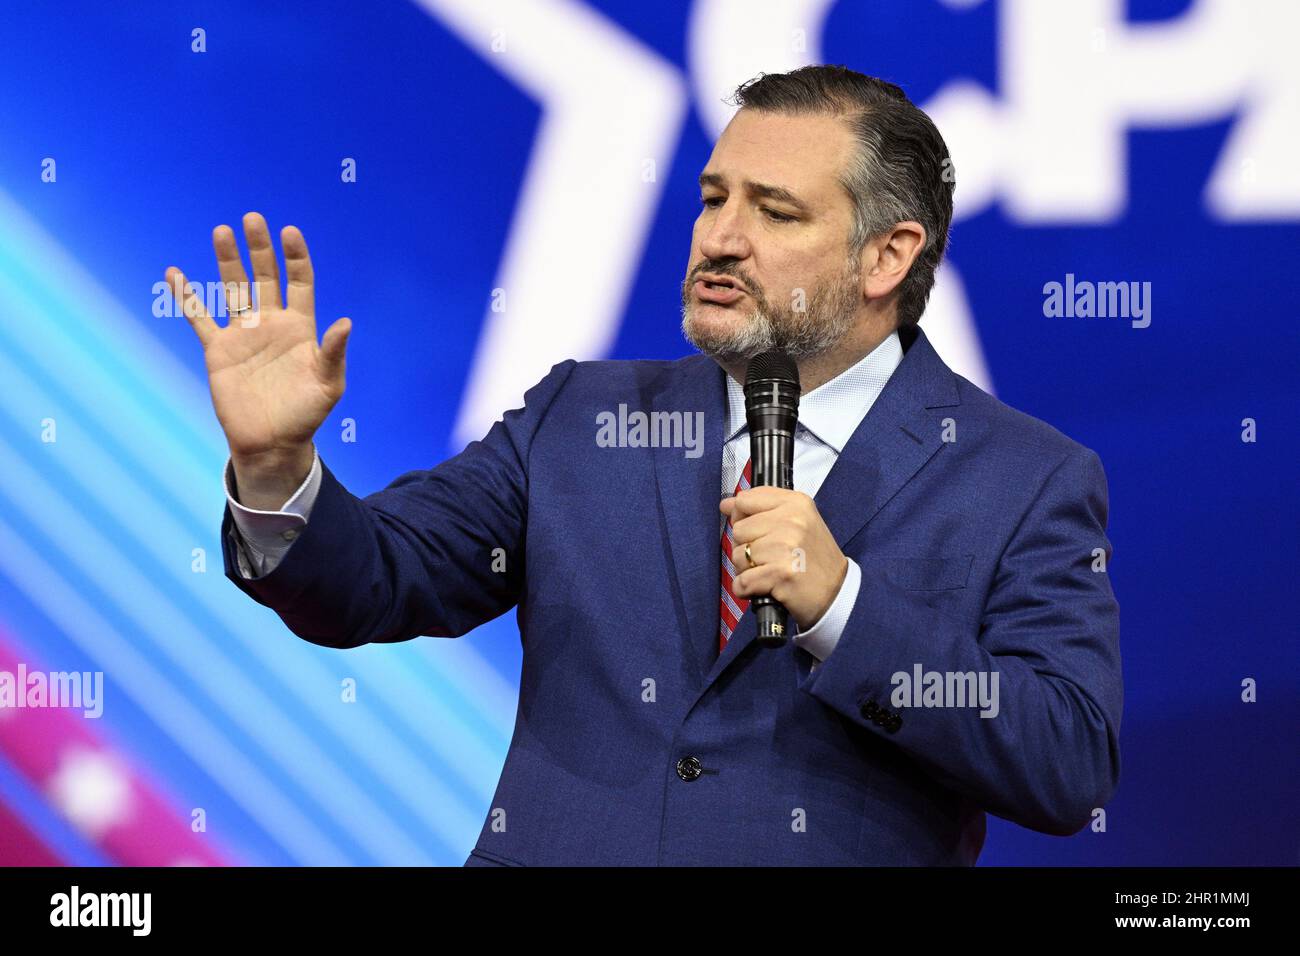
749,557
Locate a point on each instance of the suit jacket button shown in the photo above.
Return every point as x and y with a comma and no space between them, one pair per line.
689,768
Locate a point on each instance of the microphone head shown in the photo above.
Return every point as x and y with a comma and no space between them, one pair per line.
772,365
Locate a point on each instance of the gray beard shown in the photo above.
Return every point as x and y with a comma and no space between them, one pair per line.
830,314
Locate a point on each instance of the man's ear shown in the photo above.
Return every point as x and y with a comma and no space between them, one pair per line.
887,258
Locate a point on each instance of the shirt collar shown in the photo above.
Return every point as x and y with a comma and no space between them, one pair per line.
833,410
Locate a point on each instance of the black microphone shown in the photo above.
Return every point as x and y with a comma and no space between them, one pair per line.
772,411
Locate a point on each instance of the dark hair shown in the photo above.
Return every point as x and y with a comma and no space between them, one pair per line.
900,171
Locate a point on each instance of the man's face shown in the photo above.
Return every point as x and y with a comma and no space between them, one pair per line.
775,222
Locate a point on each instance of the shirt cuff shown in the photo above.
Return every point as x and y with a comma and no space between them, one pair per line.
267,535
820,639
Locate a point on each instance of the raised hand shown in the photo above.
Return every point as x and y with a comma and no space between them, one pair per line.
272,385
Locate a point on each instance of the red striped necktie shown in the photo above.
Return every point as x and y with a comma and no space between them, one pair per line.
731,607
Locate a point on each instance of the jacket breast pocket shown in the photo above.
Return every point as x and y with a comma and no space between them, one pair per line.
924,574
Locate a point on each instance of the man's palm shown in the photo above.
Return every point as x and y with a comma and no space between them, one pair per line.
272,386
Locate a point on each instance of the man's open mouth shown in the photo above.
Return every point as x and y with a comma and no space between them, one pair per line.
710,287
713,281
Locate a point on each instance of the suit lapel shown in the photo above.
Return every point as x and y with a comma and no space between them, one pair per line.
894,440
689,493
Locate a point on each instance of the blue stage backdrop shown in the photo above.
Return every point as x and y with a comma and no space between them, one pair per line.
445,156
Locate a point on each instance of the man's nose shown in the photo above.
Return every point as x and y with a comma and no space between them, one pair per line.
725,237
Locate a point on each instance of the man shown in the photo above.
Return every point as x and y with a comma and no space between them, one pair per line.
942,557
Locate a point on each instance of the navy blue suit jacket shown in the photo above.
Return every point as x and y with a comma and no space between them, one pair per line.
977,529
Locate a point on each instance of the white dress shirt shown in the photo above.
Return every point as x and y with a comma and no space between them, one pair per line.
828,417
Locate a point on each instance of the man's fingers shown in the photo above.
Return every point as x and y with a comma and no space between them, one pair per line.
759,498
239,295
333,349
741,560
754,527
766,549
191,306
758,580
266,273
297,265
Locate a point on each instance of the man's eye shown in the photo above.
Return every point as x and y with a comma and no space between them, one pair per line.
712,202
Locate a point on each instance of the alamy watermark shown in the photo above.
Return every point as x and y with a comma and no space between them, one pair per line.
70,689
1102,300
922,688
637,429
74,908
213,296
